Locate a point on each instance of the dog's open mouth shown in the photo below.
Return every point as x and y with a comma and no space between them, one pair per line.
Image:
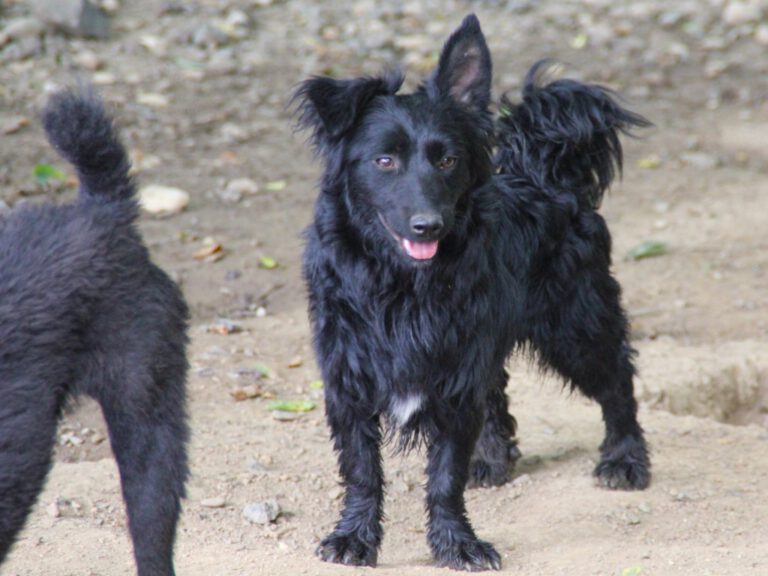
421,251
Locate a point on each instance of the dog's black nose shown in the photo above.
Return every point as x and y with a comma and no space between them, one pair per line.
426,224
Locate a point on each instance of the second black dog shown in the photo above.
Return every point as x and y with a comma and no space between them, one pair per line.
428,263
84,311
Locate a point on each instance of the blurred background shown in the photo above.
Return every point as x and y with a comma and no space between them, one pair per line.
202,91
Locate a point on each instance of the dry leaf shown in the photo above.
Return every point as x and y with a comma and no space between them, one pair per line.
245,392
210,253
14,125
224,327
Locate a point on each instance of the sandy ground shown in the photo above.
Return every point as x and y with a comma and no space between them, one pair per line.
697,182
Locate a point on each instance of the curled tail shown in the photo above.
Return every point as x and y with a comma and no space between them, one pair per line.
81,130
565,136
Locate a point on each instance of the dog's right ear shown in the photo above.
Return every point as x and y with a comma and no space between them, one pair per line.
331,107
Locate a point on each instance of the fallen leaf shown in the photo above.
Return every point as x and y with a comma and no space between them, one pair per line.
45,172
267,263
14,125
210,253
245,392
291,405
649,162
296,362
263,369
647,249
224,327
579,41
141,161
316,385
276,185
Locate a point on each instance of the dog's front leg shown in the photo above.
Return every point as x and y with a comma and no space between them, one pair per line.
450,534
357,536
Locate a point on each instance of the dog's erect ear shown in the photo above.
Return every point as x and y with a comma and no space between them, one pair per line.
464,69
331,107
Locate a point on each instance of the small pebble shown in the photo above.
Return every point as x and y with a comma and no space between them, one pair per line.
700,160
285,416
53,509
242,186
262,512
737,13
522,480
214,502
88,60
163,200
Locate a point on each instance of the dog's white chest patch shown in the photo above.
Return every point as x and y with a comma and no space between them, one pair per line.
402,409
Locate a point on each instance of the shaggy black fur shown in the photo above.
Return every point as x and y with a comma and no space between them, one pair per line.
429,262
84,311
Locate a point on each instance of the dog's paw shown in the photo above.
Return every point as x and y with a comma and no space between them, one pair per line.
484,473
468,555
624,465
347,549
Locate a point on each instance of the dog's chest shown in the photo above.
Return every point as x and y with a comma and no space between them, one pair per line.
423,333
405,340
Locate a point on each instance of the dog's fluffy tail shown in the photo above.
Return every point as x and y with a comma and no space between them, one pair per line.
81,130
564,135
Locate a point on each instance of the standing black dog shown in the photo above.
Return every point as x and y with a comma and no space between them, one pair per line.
428,263
83,310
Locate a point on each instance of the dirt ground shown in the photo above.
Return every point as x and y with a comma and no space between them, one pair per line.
201,90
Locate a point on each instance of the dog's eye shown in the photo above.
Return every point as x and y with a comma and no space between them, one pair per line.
447,162
386,162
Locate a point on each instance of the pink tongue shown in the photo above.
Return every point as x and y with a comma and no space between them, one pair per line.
420,250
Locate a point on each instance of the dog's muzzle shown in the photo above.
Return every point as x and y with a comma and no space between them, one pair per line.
418,250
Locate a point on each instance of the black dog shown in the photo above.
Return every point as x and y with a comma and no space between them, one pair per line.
428,263
83,310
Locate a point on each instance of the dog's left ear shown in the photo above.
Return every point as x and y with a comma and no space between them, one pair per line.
464,70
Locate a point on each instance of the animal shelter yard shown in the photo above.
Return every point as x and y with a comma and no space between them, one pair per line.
201,91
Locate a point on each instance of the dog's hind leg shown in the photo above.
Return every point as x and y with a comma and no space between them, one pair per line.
582,333
137,373
148,440
496,449
357,536
28,416
450,535
603,370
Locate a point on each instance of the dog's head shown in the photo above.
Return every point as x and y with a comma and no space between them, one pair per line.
408,161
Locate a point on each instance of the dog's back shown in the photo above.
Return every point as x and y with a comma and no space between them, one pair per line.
54,260
84,310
